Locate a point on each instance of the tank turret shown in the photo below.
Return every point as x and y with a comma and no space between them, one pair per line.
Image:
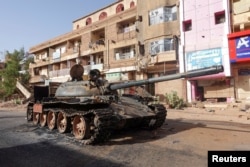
99,86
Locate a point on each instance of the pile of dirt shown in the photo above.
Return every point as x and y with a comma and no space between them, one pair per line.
12,106
8,105
215,112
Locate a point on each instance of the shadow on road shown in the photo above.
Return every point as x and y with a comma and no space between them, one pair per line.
46,154
142,136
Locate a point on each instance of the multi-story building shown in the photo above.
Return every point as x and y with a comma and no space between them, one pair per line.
239,47
204,28
127,40
158,36
104,39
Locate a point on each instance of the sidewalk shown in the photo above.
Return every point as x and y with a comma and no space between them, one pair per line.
213,112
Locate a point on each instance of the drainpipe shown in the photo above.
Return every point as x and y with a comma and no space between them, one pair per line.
176,43
183,37
107,52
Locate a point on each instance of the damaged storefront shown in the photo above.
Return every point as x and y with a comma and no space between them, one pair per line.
239,50
217,87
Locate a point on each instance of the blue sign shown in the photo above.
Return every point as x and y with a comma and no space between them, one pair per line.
243,47
203,58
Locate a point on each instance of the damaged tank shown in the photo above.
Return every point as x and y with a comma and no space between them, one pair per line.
91,110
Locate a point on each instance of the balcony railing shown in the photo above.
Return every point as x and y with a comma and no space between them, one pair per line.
59,73
66,71
122,56
126,33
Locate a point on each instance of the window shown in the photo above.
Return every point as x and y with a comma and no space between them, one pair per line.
88,21
163,14
36,71
119,8
56,55
219,17
187,25
163,45
125,53
132,4
76,47
126,26
102,16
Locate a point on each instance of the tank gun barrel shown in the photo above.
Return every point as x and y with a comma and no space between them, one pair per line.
189,74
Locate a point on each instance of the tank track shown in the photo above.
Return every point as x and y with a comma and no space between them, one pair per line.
105,122
160,117
104,125
29,112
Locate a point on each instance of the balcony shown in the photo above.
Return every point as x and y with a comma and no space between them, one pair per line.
241,19
125,55
126,33
66,72
59,73
97,45
40,62
37,79
163,57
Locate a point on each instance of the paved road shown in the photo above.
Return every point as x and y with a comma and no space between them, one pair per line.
180,142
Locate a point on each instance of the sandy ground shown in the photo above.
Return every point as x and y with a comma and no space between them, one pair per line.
212,114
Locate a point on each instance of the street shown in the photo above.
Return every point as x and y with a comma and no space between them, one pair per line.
179,142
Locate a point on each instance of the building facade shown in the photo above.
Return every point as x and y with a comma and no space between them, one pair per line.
204,29
127,40
239,47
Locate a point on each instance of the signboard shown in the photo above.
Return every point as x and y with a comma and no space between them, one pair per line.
203,58
239,46
118,76
242,47
113,76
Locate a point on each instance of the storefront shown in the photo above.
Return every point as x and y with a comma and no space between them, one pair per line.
239,51
217,86
120,75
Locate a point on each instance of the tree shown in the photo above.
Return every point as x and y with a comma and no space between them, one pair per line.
25,77
11,72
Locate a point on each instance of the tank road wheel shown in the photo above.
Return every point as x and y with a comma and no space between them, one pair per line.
43,119
63,123
81,128
35,118
51,120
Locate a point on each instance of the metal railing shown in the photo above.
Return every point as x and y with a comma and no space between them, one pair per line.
66,71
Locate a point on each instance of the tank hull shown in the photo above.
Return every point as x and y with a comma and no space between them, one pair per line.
103,118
